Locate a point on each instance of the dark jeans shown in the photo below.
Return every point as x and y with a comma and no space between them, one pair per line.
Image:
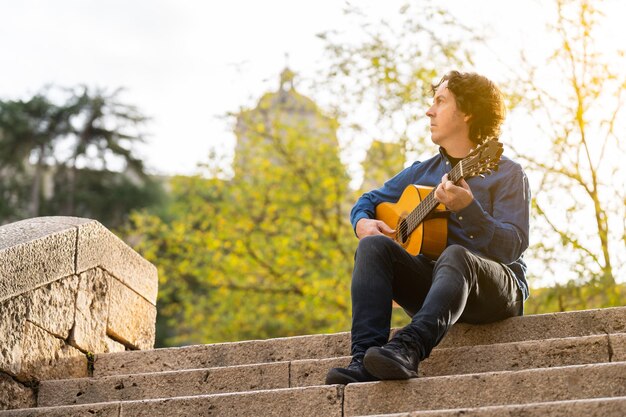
459,286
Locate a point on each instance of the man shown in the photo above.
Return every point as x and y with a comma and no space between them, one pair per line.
479,277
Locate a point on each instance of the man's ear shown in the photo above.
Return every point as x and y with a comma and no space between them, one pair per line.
467,117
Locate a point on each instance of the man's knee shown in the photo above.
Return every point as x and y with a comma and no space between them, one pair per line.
373,244
455,258
454,254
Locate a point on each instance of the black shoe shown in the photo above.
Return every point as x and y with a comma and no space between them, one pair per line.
398,359
355,372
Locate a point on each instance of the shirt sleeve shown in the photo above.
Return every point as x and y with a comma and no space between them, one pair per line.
391,191
502,236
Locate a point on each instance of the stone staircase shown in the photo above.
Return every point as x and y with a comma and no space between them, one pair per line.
564,364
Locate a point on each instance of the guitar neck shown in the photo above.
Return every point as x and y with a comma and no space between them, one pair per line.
428,204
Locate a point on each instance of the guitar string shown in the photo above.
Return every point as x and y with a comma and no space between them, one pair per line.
417,216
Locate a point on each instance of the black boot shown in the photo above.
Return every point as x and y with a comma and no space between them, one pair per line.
355,372
398,359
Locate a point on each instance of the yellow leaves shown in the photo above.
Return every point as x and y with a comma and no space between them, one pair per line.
260,128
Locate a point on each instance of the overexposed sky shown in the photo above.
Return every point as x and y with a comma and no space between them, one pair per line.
185,63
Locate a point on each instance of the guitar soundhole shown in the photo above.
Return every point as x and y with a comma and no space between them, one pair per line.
403,232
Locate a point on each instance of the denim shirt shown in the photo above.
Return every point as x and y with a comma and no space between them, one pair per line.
496,223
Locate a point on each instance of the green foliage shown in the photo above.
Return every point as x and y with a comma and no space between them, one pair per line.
267,253
578,203
574,296
55,157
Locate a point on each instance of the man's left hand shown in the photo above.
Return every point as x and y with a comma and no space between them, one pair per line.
454,197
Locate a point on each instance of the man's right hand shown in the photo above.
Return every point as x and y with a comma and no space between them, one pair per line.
371,227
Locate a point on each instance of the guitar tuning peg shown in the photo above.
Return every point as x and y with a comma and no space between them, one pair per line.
481,176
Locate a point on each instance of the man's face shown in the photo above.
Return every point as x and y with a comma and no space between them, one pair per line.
447,122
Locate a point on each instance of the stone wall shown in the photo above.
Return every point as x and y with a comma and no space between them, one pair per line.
69,288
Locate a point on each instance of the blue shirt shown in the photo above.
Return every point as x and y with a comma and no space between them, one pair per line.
495,225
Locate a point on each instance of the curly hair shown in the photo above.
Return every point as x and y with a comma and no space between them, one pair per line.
480,98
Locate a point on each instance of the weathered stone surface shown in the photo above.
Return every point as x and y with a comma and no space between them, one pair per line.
97,246
222,354
597,407
164,384
12,319
309,372
35,252
517,355
91,410
15,395
51,307
538,327
479,390
482,358
131,318
618,347
47,357
569,324
297,402
92,308
28,230
113,346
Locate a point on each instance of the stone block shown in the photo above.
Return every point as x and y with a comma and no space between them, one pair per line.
224,354
486,389
515,356
309,372
47,357
97,246
164,384
113,346
297,402
12,319
52,307
538,327
618,347
34,253
14,394
92,308
131,318
597,407
91,410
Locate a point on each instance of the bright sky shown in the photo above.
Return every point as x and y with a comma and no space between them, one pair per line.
185,63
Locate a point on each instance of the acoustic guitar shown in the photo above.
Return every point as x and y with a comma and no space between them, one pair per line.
420,221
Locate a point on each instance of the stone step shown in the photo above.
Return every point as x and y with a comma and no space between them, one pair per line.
191,382
596,407
534,327
302,373
489,358
576,382
296,402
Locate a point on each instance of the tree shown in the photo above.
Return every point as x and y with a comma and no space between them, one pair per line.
581,196
30,130
266,253
68,145
380,87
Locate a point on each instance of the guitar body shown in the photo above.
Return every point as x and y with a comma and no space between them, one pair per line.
430,237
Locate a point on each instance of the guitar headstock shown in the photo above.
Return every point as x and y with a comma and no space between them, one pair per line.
482,160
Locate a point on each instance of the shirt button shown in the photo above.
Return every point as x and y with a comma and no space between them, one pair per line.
471,236
460,217
447,163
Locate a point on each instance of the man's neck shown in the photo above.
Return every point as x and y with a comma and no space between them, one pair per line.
459,149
